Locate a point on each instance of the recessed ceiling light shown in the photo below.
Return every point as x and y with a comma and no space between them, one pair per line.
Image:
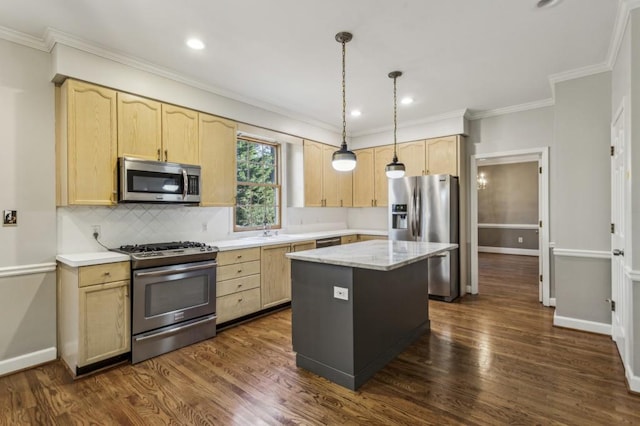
195,44
356,113
406,100
547,3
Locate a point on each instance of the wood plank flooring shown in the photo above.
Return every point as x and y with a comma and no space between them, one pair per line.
489,359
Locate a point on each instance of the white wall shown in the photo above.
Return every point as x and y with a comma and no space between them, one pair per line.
27,251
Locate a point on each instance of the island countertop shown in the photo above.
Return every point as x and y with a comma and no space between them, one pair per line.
377,254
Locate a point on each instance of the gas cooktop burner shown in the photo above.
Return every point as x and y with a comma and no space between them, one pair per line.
173,253
161,246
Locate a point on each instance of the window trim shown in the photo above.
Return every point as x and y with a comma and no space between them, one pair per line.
278,185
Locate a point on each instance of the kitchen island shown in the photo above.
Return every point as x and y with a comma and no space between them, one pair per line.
356,307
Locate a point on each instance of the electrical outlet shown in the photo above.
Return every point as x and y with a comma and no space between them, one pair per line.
204,226
520,240
340,293
95,231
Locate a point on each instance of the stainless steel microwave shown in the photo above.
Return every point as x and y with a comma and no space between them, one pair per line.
141,181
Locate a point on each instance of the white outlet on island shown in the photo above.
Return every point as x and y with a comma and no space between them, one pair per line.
340,293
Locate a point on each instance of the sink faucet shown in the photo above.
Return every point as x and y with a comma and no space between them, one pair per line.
266,229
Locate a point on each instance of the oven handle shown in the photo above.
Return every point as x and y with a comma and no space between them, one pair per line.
207,265
175,329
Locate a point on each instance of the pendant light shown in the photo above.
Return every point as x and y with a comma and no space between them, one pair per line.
395,169
343,160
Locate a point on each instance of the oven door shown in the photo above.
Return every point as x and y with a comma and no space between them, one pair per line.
168,295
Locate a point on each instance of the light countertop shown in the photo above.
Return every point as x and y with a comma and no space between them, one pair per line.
377,254
85,259
95,258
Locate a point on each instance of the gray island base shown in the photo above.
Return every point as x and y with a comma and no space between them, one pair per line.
356,307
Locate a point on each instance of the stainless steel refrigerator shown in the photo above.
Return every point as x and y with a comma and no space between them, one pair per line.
425,208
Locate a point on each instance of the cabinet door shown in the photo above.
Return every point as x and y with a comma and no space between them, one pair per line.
275,275
383,156
412,154
442,156
180,135
329,178
91,143
303,245
218,161
348,239
139,127
363,181
104,330
313,152
345,189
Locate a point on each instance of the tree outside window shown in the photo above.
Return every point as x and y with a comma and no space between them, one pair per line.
258,185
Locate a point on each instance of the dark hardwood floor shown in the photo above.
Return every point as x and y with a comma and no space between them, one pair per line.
489,359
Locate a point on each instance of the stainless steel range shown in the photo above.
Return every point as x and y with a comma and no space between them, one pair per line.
173,296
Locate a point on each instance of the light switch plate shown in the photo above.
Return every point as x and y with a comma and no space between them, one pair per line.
340,293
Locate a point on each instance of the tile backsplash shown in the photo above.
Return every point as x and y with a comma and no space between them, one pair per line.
138,224
148,223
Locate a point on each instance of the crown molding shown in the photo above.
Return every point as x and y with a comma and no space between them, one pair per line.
23,39
542,103
624,10
460,113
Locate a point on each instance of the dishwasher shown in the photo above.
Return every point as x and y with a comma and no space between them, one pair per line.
328,242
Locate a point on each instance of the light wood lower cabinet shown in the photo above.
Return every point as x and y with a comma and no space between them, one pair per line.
275,275
94,312
303,245
348,239
365,237
238,284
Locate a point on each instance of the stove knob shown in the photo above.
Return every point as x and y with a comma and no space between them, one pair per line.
201,248
209,248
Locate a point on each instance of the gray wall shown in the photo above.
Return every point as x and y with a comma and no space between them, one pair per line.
27,302
511,194
510,197
581,196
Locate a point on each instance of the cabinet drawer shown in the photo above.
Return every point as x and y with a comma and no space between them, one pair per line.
105,273
237,256
238,270
226,287
237,304
348,239
303,245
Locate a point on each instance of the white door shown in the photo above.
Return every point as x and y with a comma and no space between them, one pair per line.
618,180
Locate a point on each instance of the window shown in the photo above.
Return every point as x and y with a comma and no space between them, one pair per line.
258,185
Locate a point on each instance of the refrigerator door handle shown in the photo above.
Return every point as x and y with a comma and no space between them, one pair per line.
418,217
413,213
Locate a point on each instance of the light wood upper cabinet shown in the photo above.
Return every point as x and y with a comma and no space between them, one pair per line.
442,156
313,169
413,155
345,189
180,135
370,186
218,160
363,178
324,186
86,144
139,127
383,156
275,275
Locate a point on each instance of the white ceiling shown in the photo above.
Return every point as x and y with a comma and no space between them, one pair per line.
455,54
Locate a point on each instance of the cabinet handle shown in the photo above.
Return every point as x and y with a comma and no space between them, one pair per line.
159,158
340,203
107,273
239,256
239,271
239,285
240,300
166,155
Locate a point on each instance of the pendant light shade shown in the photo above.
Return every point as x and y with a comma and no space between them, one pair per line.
344,160
395,169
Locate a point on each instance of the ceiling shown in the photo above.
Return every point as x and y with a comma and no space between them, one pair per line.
282,55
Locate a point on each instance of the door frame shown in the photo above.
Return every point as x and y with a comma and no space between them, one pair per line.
533,154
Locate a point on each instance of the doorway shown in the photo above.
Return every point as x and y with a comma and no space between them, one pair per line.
541,156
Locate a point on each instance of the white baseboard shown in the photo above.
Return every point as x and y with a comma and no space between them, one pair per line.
509,250
632,380
27,360
552,301
578,324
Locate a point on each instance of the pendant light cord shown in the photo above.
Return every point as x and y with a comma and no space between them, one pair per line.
395,120
344,99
